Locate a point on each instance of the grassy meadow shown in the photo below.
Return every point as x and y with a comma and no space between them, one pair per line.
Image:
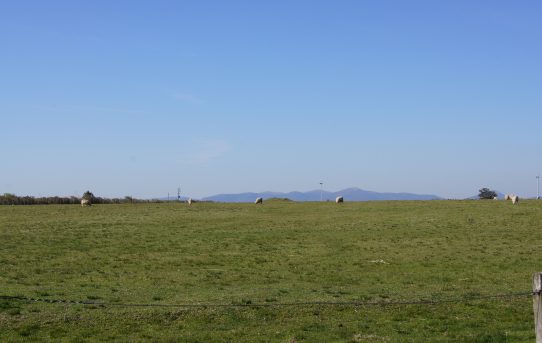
279,252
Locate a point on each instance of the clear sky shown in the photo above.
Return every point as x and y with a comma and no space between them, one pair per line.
139,97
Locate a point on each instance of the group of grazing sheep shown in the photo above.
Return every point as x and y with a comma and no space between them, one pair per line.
86,202
338,200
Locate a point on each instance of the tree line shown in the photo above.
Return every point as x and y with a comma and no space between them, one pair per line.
486,193
12,199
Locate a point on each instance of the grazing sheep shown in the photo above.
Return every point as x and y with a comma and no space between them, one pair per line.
339,200
258,201
495,198
512,197
85,202
189,201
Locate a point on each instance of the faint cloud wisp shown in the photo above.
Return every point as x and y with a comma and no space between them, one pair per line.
207,150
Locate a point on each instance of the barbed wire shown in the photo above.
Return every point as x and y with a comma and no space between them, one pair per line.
274,304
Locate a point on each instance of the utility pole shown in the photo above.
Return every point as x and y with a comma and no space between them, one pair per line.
538,187
321,191
179,193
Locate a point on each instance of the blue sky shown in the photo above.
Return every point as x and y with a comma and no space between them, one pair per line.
138,97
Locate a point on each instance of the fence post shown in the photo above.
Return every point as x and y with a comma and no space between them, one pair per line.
537,305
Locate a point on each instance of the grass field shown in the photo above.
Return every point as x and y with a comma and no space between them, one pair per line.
280,252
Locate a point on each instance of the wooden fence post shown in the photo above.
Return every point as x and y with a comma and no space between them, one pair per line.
537,305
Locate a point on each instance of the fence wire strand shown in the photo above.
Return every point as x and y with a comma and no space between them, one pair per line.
274,304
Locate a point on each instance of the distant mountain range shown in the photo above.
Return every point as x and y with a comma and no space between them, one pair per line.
349,194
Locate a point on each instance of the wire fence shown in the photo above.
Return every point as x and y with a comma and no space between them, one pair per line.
273,304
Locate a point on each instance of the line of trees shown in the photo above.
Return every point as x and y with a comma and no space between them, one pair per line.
486,193
12,199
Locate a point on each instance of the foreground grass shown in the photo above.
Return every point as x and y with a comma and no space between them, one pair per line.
277,253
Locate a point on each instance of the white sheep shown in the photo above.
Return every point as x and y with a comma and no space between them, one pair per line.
85,202
189,201
339,200
513,197
259,201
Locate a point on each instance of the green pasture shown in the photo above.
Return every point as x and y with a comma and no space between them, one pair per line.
275,254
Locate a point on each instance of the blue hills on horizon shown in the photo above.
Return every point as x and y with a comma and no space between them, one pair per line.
349,194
